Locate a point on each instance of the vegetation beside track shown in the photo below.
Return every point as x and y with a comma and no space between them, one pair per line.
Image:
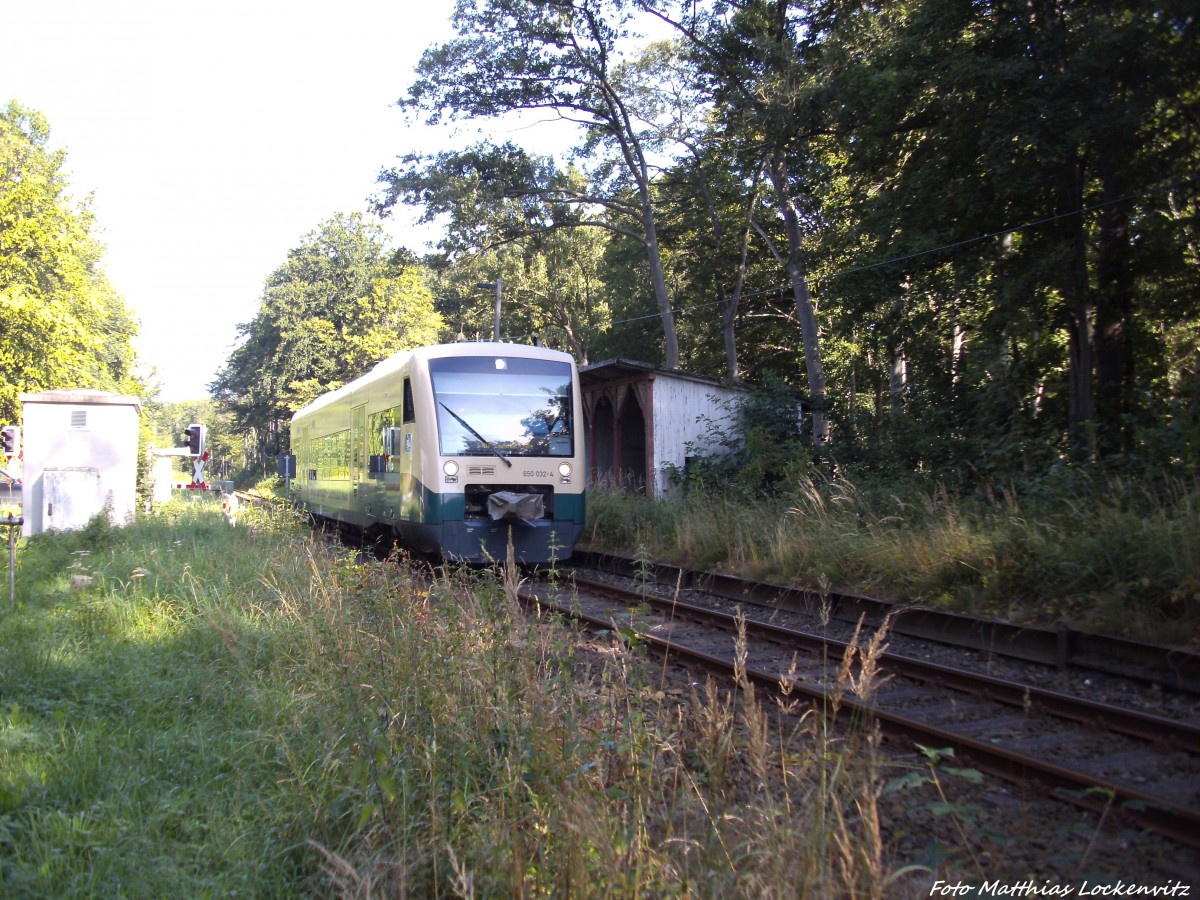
1118,556
190,708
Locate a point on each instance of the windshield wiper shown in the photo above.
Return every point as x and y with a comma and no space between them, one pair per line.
463,422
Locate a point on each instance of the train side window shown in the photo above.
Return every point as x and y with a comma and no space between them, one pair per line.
393,440
409,413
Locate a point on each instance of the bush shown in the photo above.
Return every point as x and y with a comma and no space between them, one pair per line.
757,447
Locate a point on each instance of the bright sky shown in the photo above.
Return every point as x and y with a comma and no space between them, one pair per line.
215,138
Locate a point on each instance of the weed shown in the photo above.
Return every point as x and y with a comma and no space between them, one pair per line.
1111,556
247,711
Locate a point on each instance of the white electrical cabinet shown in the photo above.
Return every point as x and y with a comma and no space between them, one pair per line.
81,455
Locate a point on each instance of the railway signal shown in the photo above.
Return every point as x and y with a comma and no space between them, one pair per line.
10,440
194,436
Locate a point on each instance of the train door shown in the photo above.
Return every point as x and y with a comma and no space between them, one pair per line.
358,446
301,452
410,499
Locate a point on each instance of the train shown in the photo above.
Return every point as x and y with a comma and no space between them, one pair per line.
453,450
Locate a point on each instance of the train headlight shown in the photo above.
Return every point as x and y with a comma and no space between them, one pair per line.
564,469
450,467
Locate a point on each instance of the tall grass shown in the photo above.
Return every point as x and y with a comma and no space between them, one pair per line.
193,708
490,757
137,702
1116,556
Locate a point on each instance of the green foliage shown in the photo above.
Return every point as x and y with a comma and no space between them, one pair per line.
487,194
1005,193
61,323
144,473
552,289
513,57
992,206
756,446
339,304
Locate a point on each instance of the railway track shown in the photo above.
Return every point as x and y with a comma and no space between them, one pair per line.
1060,649
1099,755
1093,753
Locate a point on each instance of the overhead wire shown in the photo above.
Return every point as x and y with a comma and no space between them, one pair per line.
944,248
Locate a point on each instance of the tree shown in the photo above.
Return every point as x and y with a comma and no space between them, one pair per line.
760,63
499,223
1054,132
61,323
553,289
994,201
339,304
710,204
560,56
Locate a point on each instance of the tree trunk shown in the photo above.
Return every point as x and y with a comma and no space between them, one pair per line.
958,348
1082,410
1076,292
805,310
852,418
658,280
1114,308
898,367
1048,32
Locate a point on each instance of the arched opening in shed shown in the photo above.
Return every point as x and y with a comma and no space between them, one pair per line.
603,454
631,434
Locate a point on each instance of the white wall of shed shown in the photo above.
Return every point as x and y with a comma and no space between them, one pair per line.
679,406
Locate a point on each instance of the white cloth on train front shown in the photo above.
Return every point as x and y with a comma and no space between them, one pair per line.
511,505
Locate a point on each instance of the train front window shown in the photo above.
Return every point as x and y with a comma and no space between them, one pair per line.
505,406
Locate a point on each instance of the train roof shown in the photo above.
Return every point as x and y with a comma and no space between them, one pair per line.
397,361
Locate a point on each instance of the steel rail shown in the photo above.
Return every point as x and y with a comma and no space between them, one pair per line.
1173,820
1060,647
1135,723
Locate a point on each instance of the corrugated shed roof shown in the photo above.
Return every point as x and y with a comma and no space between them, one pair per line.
618,369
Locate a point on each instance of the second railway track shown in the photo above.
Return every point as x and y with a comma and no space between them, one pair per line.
1094,754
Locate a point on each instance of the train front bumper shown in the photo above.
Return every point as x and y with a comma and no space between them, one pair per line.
485,541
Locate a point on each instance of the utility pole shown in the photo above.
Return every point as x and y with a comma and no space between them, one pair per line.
13,522
499,286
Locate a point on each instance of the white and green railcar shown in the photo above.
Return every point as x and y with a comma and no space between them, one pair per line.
452,449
